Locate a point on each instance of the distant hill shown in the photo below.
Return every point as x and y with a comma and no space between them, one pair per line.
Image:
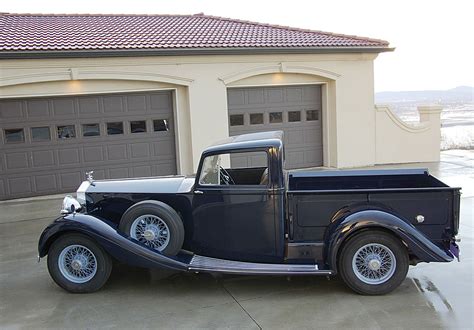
461,94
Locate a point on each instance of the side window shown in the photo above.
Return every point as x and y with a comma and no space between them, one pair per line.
240,168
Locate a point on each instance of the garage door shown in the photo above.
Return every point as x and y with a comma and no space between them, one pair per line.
47,144
296,110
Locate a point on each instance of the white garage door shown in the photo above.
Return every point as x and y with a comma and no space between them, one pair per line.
47,144
296,110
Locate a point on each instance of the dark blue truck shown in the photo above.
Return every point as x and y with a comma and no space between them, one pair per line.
243,213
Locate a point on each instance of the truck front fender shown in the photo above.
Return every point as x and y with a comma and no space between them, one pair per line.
112,241
347,224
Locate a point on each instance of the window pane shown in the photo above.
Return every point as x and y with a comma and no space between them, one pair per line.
256,118
66,132
236,120
115,128
241,168
312,115
90,130
160,125
40,134
276,117
294,116
14,135
138,126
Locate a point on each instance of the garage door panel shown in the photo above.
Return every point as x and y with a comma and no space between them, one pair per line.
43,158
44,183
113,104
2,189
68,180
117,173
56,165
160,103
140,150
17,160
256,96
136,103
93,154
142,171
37,108
63,106
294,94
117,152
68,156
20,185
303,138
11,109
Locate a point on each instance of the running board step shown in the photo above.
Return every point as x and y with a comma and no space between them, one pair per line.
206,264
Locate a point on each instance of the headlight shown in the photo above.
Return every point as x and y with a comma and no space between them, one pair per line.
70,205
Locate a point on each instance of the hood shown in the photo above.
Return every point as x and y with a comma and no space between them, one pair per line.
155,185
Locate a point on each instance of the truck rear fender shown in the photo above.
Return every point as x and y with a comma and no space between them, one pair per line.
121,247
345,224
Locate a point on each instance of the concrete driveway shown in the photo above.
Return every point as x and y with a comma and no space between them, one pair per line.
432,296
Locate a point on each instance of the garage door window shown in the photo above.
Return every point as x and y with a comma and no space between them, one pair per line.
236,120
312,115
14,135
66,132
90,130
256,118
160,125
40,134
276,117
138,126
294,116
114,128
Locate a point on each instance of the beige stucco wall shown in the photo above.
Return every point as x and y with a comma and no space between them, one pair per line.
200,83
399,142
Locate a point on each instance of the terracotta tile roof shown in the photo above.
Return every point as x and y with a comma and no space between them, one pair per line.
41,32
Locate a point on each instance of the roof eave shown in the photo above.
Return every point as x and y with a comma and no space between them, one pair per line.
28,54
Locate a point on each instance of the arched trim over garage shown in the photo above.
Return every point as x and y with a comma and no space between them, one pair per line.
280,68
84,74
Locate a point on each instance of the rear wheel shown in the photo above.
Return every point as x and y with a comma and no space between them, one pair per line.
78,264
373,263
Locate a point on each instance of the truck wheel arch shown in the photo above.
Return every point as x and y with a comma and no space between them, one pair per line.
352,224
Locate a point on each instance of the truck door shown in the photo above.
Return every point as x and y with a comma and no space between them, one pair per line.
233,207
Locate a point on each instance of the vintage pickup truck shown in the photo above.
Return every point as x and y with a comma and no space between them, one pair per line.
243,213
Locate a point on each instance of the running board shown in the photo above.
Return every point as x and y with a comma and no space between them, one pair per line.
206,264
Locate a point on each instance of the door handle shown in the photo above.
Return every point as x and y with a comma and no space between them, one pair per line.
199,192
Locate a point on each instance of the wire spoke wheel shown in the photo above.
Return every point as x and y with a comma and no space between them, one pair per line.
151,230
77,263
374,263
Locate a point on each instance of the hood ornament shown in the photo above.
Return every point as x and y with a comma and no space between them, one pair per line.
89,177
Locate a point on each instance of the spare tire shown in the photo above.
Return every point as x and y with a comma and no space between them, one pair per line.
155,224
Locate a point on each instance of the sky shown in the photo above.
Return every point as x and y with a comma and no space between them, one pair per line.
434,40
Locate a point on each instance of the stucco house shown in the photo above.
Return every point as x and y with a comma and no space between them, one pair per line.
142,95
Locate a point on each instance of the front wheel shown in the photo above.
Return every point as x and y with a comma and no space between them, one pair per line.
373,263
78,264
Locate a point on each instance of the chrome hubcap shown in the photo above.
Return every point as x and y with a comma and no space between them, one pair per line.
374,263
77,263
151,230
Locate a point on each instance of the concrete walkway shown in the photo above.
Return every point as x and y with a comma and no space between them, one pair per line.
433,296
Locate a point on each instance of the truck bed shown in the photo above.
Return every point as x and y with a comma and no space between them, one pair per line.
315,198
362,180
